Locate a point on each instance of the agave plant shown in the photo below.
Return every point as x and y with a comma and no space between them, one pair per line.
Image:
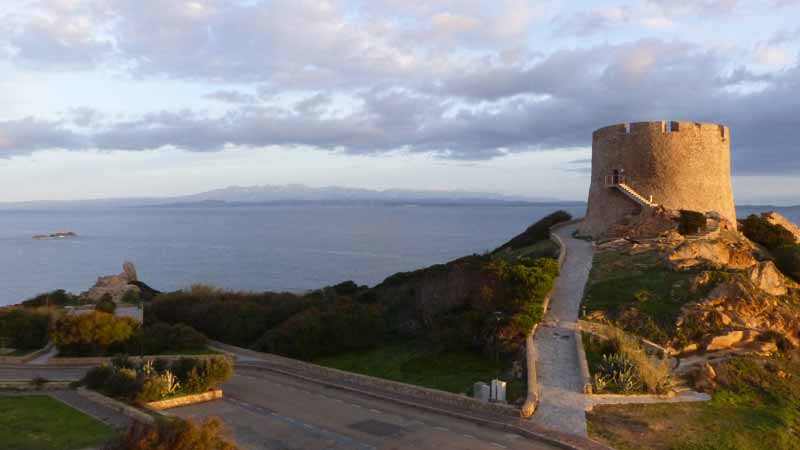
148,369
171,383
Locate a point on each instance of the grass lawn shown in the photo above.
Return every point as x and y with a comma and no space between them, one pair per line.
43,423
639,286
757,407
408,363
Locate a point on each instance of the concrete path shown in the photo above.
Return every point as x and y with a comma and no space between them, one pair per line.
562,406
100,412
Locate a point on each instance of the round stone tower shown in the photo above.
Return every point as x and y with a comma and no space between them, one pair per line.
643,165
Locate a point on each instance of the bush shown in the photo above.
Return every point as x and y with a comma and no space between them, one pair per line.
691,222
539,231
91,334
787,258
97,377
55,298
23,329
163,338
106,305
770,235
173,434
131,297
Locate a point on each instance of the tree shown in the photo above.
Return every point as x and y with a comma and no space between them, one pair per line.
91,334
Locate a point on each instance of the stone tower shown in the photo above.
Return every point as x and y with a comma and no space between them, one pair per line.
644,165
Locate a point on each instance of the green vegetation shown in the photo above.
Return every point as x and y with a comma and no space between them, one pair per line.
106,305
756,407
158,379
787,258
539,231
620,365
417,363
638,293
93,334
691,222
55,298
174,434
761,231
43,423
23,329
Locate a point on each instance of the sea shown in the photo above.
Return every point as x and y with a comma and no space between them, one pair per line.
253,248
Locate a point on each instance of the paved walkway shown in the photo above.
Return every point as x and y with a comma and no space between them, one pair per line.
563,405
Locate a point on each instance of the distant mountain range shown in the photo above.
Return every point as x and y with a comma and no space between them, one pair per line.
297,193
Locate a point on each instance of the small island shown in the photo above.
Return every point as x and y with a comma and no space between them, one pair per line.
61,235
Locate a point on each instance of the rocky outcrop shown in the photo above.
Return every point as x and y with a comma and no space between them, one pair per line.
777,219
736,312
710,253
116,286
768,278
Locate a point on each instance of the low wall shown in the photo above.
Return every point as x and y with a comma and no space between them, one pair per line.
116,405
26,358
605,330
186,400
365,382
105,360
586,377
26,385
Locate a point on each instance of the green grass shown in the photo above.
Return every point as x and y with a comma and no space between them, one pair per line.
638,291
754,409
43,423
449,371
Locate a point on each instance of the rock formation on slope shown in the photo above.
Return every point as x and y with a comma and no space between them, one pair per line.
115,286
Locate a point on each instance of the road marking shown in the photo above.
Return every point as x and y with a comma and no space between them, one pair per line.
469,436
442,428
353,404
375,411
498,445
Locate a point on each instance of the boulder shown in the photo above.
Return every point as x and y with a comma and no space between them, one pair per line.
731,339
777,219
768,278
116,286
709,253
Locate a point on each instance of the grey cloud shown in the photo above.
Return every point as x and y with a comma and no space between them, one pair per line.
231,96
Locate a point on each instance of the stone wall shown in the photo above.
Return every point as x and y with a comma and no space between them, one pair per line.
683,165
366,383
186,400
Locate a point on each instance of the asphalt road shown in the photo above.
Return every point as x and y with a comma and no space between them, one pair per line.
265,410
50,373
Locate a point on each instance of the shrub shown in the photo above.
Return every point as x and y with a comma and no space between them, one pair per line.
648,371
24,329
770,235
691,222
97,377
91,334
55,298
131,297
124,383
162,337
787,258
539,231
173,434
106,305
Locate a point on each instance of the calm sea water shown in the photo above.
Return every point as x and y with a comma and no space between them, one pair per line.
292,248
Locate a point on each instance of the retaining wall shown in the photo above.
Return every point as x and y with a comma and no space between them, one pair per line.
358,381
185,400
116,405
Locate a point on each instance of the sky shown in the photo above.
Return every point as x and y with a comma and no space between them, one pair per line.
132,98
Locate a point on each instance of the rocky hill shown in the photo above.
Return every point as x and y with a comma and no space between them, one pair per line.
709,290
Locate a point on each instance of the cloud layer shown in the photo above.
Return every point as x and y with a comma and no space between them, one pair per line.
461,79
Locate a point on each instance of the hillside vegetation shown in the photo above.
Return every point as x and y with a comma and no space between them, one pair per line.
478,304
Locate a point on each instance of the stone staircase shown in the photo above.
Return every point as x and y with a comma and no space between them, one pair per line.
635,196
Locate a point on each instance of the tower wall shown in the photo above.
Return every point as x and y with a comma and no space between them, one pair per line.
683,165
